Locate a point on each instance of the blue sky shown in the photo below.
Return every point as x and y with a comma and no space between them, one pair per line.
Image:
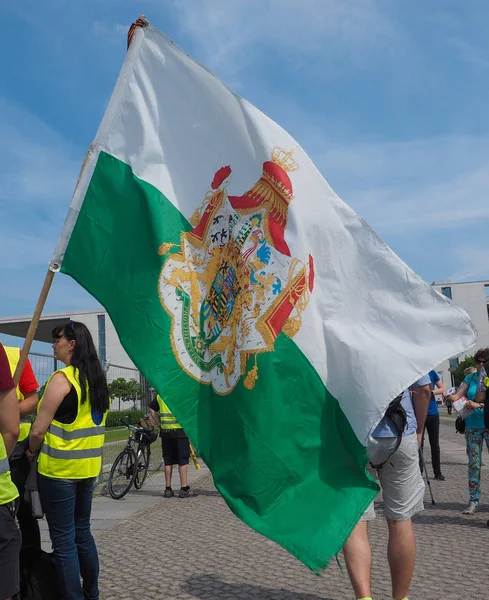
388,98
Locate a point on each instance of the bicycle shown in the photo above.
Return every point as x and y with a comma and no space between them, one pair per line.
132,464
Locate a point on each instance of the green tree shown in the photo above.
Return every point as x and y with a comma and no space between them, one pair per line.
464,364
125,391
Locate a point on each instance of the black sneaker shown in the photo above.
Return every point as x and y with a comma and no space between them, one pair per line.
186,492
168,493
440,477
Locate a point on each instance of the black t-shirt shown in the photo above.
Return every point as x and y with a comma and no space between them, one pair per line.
68,409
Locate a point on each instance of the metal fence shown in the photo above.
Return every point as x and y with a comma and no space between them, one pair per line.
128,387
44,366
129,391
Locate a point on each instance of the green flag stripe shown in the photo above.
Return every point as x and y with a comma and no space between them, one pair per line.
283,455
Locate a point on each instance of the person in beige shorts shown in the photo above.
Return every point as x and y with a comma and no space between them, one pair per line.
402,490
400,478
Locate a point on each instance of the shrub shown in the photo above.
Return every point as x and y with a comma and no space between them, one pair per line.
459,373
114,416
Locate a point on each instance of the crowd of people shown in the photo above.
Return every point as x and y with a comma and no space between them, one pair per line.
398,466
63,448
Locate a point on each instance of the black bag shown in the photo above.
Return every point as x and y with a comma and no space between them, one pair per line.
38,579
31,494
397,414
459,425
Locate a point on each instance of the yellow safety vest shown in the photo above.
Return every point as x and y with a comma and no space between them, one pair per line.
74,450
13,355
167,420
8,491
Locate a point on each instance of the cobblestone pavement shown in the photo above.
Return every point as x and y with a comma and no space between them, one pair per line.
195,549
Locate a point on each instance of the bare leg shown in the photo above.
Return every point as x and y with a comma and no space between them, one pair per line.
168,474
182,470
358,557
401,553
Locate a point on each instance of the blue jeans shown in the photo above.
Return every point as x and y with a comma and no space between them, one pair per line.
67,504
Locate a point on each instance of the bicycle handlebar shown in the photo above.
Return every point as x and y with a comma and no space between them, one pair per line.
123,420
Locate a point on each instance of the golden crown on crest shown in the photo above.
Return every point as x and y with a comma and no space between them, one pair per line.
284,159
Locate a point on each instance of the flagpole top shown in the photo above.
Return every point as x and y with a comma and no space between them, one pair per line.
141,21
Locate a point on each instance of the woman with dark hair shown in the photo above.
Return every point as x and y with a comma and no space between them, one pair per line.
475,432
69,433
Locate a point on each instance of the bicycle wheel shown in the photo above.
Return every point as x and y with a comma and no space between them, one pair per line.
143,466
123,473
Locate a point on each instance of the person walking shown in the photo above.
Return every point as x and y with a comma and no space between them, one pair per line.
176,447
19,465
403,490
9,534
432,426
69,433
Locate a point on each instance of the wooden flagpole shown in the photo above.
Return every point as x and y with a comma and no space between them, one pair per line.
31,332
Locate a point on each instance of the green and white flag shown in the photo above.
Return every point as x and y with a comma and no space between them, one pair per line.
273,321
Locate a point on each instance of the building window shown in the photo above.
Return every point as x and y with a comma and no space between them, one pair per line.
486,289
447,291
102,352
454,362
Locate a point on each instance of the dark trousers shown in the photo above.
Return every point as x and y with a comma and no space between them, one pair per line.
9,551
19,470
67,504
432,426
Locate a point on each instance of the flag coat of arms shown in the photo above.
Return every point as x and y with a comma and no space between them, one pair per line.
274,322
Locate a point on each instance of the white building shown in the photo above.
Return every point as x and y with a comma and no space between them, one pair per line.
98,322
473,297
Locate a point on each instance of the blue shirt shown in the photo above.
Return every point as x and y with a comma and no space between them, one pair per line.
387,429
476,419
433,406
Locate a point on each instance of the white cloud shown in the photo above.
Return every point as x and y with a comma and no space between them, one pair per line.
39,170
232,35
437,183
38,165
428,197
116,31
19,249
472,261
475,56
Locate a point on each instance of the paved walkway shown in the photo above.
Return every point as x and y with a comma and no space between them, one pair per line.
108,513
196,549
